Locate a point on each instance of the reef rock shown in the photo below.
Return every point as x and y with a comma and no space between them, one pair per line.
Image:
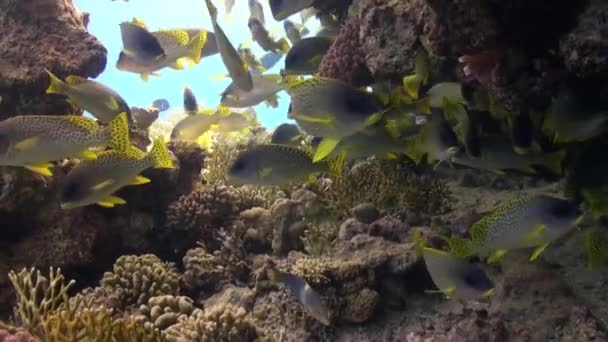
39,34
285,214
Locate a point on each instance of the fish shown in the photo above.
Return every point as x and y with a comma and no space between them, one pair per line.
193,126
412,83
263,38
330,26
570,119
269,164
311,301
287,134
531,221
33,141
228,5
452,91
498,155
306,14
237,70
256,11
231,121
140,44
522,131
281,9
596,249
253,64
330,109
265,88
161,104
436,139
96,181
294,32
463,126
305,56
456,277
190,104
180,46
99,100
587,178
144,118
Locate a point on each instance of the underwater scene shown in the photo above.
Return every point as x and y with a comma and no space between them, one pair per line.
303,170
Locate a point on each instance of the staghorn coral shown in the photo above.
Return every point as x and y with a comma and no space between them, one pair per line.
97,297
164,311
203,270
37,295
223,323
312,270
345,59
141,277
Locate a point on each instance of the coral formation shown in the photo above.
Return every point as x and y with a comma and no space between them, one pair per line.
166,310
345,59
46,25
138,278
191,159
203,270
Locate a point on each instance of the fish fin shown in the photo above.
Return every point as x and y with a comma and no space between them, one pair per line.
160,155
419,242
488,293
497,256
411,84
139,22
336,165
459,246
424,105
527,169
140,180
111,201
392,129
326,146
88,155
499,172
177,65
265,172
284,45
112,103
372,119
536,234
597,202
228,18
448,292
57,86
42,168
26,144
596,249
538,251
74,80
195,46
219,77
118,130
102,185
554,160
392,156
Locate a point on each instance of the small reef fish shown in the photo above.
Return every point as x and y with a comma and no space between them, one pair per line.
305,56
286,134
255,66
456,277
412,83
180,46
278,165
33,141
102,102
190,104
144,118
307,13
463,126
330,109
524,222
293,31
256,10
140,44
261,36
235,122
436,139
587,179
498,155
161,104
282,9
451,91
193,126
311,301
237,70
596,249
265,88
228,5
95,181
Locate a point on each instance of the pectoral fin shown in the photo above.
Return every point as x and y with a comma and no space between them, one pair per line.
88,155
537,252
535,235
102,185
411,84
27,144
497,256
111,201
326,146
43,168
140,180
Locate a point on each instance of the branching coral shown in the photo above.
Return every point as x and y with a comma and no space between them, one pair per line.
313,270
203,270
345,59
258,196
38,296
223,323
141,277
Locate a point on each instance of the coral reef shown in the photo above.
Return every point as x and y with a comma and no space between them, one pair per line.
191,159
166,310
345,59
203,270
57,40
138,278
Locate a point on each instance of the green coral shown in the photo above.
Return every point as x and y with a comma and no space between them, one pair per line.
141,277
37,295
223,323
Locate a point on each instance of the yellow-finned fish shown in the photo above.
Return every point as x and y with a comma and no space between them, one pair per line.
237,70
306,55
293,31
139,43
331,109
253,63
193,126
281,9
287,134
265,88
190,103
33,141
144,117
524,222
278,165
102,102
256,11
263,38
436,139
95,181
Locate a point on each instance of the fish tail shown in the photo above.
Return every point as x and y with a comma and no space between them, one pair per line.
596,249
554,161
195,46
161,157
57,86
284,45
118,131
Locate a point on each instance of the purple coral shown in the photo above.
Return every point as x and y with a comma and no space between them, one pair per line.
345,59
18,336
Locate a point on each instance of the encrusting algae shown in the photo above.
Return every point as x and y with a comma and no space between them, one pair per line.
429,142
